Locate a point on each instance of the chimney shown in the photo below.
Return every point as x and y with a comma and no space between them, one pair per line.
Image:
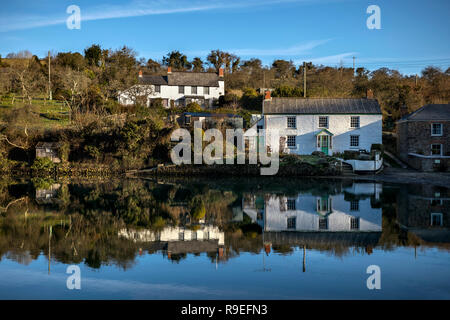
369,94
267,95
169,70
140,73
221,72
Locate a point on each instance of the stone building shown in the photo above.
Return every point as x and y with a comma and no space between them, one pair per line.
48,150
424,138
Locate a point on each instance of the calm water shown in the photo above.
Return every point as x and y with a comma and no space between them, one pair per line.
224,239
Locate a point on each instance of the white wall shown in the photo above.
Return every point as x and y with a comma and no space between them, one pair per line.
307,218
171,93
173,234
370,131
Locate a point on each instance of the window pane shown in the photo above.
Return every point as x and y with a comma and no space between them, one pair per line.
194,90
436,149
206,90
323,223
354,122
291,204
354,141
291,141
180,89
354,223
291,122
291,223
323,122
436,129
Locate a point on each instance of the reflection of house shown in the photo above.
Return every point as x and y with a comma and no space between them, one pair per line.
350,211
179,239
211,120
327,125
179,88
424,137
48,150
47,195
425,211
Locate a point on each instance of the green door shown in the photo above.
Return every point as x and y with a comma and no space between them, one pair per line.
324,144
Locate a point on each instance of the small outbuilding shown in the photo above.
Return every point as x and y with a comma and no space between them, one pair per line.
48,150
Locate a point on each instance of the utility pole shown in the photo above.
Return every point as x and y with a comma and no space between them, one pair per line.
304,79
49,82
354,65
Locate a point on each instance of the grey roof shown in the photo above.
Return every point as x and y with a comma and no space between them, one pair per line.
429,112
215,115
50,145
203,79
320,106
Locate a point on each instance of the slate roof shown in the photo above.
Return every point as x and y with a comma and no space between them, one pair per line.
215,115
201,79
49,145
429,112
321,106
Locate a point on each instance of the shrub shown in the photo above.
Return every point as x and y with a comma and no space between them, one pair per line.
43,164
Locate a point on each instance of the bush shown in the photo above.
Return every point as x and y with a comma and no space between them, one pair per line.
43,165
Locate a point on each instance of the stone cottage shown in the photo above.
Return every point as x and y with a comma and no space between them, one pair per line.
424,138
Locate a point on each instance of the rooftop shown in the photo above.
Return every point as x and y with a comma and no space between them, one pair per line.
202,79
429,112
321,106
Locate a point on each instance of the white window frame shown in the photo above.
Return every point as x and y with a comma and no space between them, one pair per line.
294,227
352,146
438,214
351,122
431,149
355,223
324,117
289,122
295,142
437,134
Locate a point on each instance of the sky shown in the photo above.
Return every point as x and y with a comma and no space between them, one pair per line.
412,35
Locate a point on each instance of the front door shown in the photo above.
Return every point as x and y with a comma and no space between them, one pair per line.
324,144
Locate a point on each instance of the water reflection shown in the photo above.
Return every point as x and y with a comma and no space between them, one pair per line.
113,223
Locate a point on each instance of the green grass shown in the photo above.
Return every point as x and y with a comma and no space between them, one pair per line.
51,113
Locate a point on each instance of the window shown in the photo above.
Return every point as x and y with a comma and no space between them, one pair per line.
354,205
436,149
187,120
194,235
180,89
323,223
291,204
436,129
436,219
291,141
157,88
181,236
354,141
354,223
292,223
354,122
323,122
205,90
193,90
291,122
436,202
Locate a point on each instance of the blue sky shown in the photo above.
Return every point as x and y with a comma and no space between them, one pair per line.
413,33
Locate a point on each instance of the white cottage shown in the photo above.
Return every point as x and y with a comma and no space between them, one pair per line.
332,126
177,88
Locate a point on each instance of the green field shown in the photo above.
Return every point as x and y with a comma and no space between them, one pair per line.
50,113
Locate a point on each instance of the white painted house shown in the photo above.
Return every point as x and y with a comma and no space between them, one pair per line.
177,88
310,212
306,125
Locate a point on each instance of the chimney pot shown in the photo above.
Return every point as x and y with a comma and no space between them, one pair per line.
267,95
369,94
220,72
169,69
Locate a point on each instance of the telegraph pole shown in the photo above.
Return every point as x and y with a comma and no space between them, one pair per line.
304,79
49,82
354,65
